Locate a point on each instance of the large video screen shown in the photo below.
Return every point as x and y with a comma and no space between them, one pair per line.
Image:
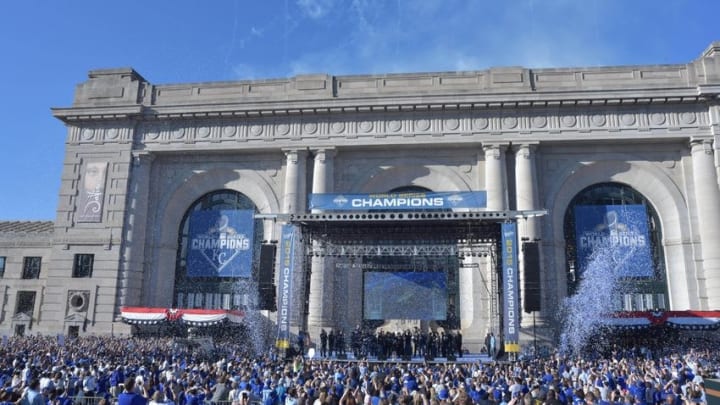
405,295
221,243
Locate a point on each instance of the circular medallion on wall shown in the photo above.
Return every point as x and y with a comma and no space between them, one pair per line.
229,131
422,125
256,130
598,120
452,124
337,127
394,125
480,123
365,126
112,133
687,117
539,121
509,122
87,134
152,134
178,133
627,119
568,121
310,127
282,129
203,132
657,118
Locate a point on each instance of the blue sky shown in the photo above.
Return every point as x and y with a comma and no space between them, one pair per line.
49,46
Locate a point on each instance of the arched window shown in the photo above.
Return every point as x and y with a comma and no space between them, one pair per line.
209,291
645,289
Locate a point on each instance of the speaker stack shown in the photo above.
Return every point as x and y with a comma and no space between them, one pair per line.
531,296
266,278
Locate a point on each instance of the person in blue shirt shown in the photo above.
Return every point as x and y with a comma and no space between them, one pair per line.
129,396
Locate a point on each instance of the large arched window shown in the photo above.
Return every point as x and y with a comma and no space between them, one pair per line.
217,291
644,289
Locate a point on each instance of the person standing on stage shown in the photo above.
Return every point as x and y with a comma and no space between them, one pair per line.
331,342
323,343
493,346
301,341
458,343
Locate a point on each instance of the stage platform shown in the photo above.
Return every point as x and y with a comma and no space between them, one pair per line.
468,358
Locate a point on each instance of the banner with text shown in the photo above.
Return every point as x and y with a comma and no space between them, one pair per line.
220,243
285,287
398,201
615,234
511,304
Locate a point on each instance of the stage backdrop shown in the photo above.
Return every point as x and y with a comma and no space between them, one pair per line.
221,243
405,295
617,232
398,201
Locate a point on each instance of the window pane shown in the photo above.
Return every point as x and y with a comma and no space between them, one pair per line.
31,267
2,266
25,302
83,265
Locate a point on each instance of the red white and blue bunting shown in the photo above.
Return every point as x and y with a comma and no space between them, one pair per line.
194,317
686,320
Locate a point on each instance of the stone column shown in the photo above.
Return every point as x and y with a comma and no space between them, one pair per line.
475,295
707,198
496,176
526,189
293,203
295,168
526,197
321,299
133,246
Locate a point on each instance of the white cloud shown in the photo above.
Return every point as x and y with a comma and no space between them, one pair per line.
244,71
315,9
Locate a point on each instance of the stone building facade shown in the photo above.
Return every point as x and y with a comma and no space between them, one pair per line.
531,138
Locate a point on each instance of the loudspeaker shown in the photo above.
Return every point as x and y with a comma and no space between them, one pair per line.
267,298
266,273
531,288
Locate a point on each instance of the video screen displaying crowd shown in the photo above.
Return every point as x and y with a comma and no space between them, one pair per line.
95,370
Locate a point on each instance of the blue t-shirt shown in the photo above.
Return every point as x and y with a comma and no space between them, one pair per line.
131,398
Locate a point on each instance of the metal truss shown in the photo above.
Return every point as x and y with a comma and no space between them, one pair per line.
375,249
497,216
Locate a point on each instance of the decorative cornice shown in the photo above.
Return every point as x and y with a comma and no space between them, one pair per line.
438,103
527,125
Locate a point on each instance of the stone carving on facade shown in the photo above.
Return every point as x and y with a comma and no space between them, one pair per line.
490,123
78,301
99,133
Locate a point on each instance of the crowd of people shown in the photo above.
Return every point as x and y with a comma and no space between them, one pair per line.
94,370
382,344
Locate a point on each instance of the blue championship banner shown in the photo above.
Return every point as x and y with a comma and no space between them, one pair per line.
511,307
617,233
285,287
398,201
221,243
